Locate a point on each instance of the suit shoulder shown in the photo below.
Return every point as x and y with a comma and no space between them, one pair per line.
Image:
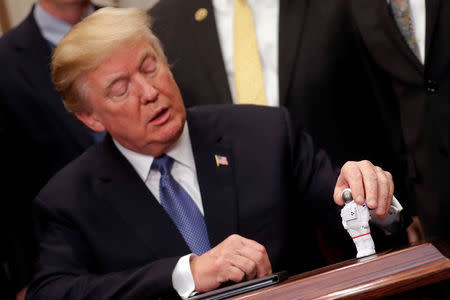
238,112
166,8
74,174
8,42
169,18
246,119
12,38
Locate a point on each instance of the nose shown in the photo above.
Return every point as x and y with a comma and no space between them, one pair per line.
148,91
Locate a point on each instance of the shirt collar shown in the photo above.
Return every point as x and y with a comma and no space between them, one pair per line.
52,28
181,152
223,6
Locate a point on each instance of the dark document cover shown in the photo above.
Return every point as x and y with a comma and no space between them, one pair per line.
240,288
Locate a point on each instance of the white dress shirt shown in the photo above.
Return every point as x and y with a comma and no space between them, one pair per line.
265,16
418,17
185,173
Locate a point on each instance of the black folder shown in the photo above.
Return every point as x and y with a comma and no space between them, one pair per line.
243,287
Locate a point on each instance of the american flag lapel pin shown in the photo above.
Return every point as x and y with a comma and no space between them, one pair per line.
221,160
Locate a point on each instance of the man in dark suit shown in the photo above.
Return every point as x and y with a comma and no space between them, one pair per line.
233,185
410,76
38,136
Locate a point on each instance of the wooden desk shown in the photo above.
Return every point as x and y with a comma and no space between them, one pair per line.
372,277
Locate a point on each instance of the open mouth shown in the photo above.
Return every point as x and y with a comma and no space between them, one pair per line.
161,116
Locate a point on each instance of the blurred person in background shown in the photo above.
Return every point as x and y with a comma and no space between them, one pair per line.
37,135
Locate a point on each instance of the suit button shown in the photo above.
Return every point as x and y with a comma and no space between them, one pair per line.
431,86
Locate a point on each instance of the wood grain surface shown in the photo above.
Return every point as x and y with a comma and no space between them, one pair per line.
372,277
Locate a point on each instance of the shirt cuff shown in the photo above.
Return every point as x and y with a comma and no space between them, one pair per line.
182,279
390,225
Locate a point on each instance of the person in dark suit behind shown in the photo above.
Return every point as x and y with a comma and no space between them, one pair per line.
175,202
408,59
37,135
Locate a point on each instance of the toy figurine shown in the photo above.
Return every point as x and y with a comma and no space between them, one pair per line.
355,219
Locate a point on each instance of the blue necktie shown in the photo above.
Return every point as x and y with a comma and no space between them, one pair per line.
181,208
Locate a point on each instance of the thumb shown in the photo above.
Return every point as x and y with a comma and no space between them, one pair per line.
341,185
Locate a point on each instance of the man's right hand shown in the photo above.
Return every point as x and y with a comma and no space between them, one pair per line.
235,259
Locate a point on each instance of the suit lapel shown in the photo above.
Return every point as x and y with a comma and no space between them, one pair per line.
385,41
122,187
35,68
290,29
391,29
217,185
208,48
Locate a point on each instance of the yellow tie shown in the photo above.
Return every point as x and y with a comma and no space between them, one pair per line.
248,75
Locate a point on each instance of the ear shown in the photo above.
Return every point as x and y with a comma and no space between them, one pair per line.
90,120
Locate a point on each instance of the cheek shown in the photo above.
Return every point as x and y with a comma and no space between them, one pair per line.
175,93
120,115
167,82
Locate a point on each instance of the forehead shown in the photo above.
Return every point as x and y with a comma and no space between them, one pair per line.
130,53
124,58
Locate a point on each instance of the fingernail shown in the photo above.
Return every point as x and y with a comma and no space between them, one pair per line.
371,202
359,199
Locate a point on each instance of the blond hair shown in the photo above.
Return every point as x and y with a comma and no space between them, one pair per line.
92,41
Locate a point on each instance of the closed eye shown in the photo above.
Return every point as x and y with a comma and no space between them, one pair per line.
149,65
118,88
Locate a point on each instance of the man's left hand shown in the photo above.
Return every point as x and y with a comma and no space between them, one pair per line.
369,184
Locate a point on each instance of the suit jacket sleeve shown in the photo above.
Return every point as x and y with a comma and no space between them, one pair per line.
316,177
64,267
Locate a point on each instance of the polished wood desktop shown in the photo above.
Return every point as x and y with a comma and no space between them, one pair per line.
404,273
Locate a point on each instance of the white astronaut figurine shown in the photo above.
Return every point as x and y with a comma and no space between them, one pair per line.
355,219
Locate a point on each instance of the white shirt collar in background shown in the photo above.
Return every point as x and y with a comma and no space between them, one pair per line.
52,28
266,16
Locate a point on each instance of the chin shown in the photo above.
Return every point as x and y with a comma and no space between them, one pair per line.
174,132
168,136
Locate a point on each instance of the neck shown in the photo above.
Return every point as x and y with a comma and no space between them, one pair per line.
71,12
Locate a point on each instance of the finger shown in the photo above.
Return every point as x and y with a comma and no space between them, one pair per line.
235,274
383,193
391,187
370,179
245,264
341,184
337,195
258,254
350,176
251,250
261,260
